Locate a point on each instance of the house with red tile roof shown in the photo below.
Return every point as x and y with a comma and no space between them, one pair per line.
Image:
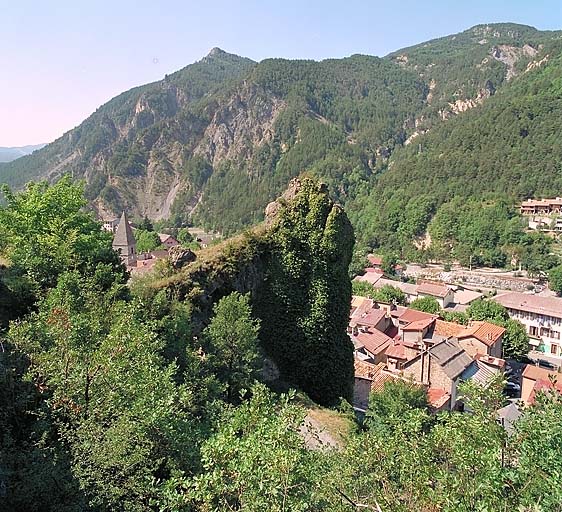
543,206
373,318
370,344
535,379
366,313
482,338
414,325
441,367
448,329
477,337
399,352
368,377
439,291
167,240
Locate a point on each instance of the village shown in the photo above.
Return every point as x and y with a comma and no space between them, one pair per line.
138,263
393,341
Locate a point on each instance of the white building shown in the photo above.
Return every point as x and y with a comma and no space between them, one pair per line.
542,316
110,225
439,291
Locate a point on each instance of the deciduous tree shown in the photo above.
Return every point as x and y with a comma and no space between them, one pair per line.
232,344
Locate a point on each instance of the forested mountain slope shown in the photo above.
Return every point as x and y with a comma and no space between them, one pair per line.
216,141
504,150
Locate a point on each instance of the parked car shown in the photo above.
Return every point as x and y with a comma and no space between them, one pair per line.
546,364
512,389
513,378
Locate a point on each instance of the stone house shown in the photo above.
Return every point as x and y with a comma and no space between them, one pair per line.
368,377
476,338
167,240
440,367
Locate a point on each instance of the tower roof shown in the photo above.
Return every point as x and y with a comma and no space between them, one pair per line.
124,234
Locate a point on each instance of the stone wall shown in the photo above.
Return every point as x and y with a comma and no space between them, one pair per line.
475,279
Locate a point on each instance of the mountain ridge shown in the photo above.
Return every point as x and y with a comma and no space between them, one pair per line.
8,154
218,139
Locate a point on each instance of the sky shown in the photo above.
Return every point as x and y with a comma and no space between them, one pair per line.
62,59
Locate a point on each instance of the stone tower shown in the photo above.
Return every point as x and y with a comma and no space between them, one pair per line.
124,241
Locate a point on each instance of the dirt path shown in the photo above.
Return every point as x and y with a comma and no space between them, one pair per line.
316,436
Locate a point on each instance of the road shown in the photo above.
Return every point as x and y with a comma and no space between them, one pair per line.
557,361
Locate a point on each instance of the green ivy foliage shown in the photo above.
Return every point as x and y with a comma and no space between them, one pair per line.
305,297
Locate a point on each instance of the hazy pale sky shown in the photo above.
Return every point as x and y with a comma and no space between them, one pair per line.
61,59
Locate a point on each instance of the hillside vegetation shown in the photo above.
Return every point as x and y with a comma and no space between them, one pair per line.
120,398
487,159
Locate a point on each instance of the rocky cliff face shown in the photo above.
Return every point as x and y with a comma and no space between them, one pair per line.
510,55
243,123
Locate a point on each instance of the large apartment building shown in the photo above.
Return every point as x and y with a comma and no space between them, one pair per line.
542,316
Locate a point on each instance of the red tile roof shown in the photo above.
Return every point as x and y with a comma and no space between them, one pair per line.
374,260
374,341
544,386
366,370
447,329
372,318
418,325
360,306
551,306
485,332
396,350
413,315
536,373
372,276
433,289
437,397
542,202
398,312
372,372
374,270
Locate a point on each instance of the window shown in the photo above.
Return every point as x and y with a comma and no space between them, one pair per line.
555,335
554,349
533,330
